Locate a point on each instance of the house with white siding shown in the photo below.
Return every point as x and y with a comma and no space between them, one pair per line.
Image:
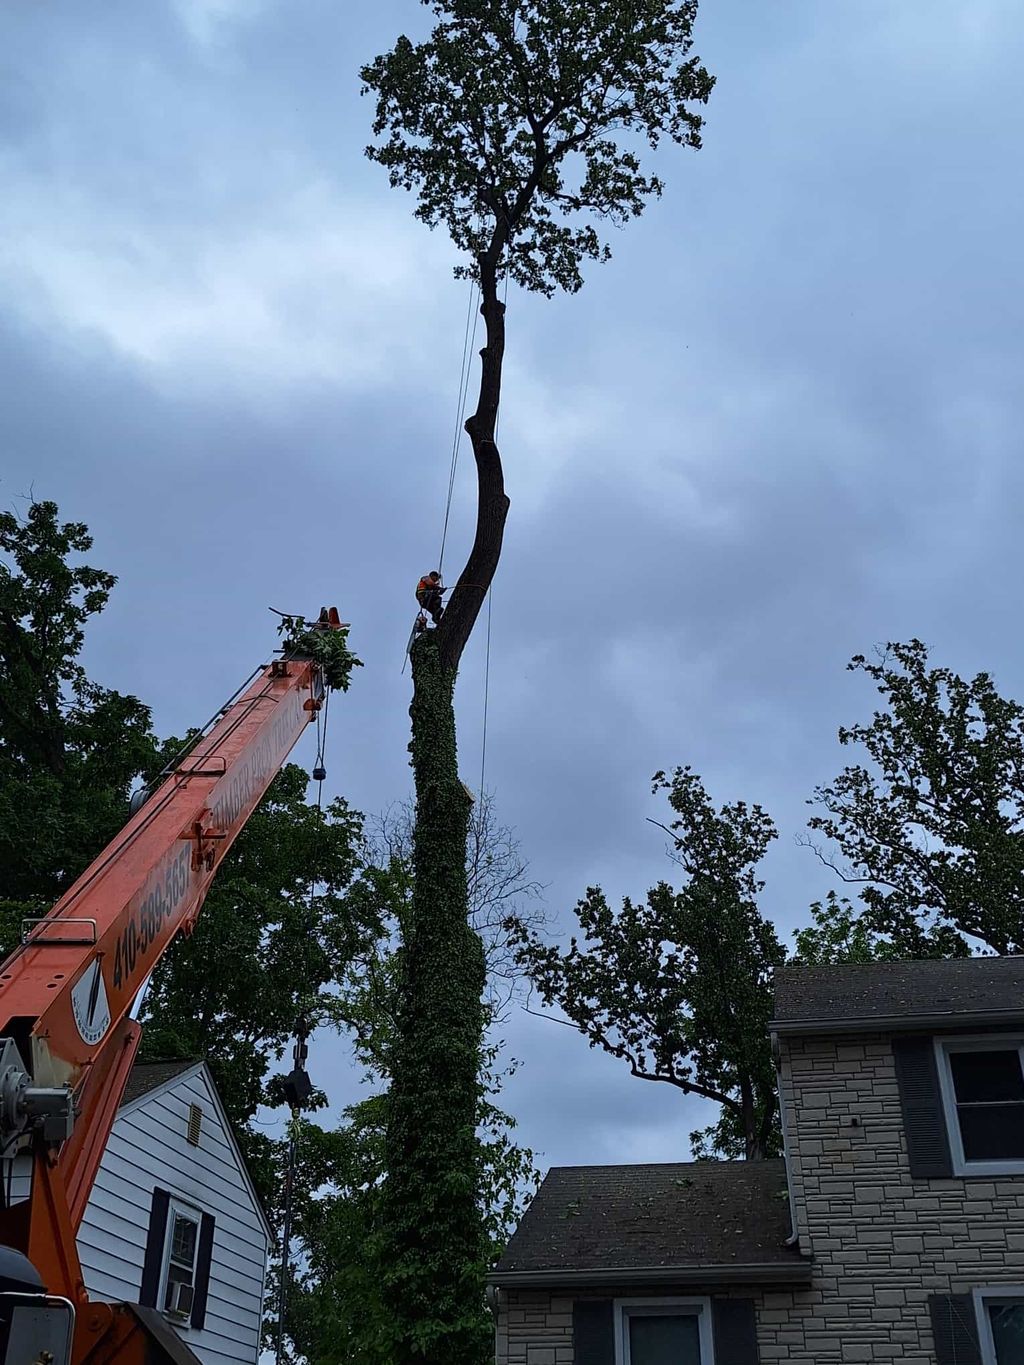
173,1222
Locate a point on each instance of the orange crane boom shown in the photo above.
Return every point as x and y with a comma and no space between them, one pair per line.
67,1038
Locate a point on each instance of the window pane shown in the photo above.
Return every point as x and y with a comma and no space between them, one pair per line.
1008,1332
183,1240
670,1340
992,1132
987,1075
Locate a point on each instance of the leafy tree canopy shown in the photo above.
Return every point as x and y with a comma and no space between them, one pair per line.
679,986
839,934
338,1311
931,827
286,917
70,749
520,123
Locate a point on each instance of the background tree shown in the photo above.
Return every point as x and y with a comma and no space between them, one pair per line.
70,749
285,919
338,1312
499,886
679,986
838,934
932,827
517,124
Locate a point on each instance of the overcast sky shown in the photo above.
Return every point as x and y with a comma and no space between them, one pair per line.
781,426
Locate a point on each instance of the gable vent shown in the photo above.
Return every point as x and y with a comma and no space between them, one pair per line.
195,1123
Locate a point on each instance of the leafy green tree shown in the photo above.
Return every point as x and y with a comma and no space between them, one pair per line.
338,1307
680,986
840,934
931,826
517,125
70,749
286,918
336,1311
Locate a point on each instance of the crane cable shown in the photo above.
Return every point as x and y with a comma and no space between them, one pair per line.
294,1128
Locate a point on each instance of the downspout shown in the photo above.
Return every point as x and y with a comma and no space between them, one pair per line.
794,1238
495,1298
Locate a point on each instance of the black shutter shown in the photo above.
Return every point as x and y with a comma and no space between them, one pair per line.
735,1331
923,1119
203,1259
156,1239
955,1328
593,1332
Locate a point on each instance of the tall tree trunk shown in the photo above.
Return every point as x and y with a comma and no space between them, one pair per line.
492,503
434,1254
433,1249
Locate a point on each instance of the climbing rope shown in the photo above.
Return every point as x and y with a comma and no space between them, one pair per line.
468,340
490,591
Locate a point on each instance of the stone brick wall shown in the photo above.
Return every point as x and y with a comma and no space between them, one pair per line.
534,1327
881,1242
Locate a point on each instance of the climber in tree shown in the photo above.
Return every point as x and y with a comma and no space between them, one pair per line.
428,595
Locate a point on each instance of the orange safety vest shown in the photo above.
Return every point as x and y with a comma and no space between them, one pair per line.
425,585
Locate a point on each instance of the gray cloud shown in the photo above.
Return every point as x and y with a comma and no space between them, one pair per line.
782,425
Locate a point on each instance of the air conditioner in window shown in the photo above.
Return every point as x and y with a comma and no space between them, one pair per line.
180,1298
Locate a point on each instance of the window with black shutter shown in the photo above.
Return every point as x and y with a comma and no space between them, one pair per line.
665,1331
982,1082
921,1100
179,1254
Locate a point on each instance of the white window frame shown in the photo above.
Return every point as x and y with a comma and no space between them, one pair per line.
178,1209
648,1307
982,1297
991,1042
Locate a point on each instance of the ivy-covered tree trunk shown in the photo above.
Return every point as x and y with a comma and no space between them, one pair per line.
434,1243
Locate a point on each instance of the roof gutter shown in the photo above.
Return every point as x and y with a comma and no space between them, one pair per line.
898,1023
796,1272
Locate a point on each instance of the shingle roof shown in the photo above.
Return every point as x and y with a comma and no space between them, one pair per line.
147,1076
679,1216
898,994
